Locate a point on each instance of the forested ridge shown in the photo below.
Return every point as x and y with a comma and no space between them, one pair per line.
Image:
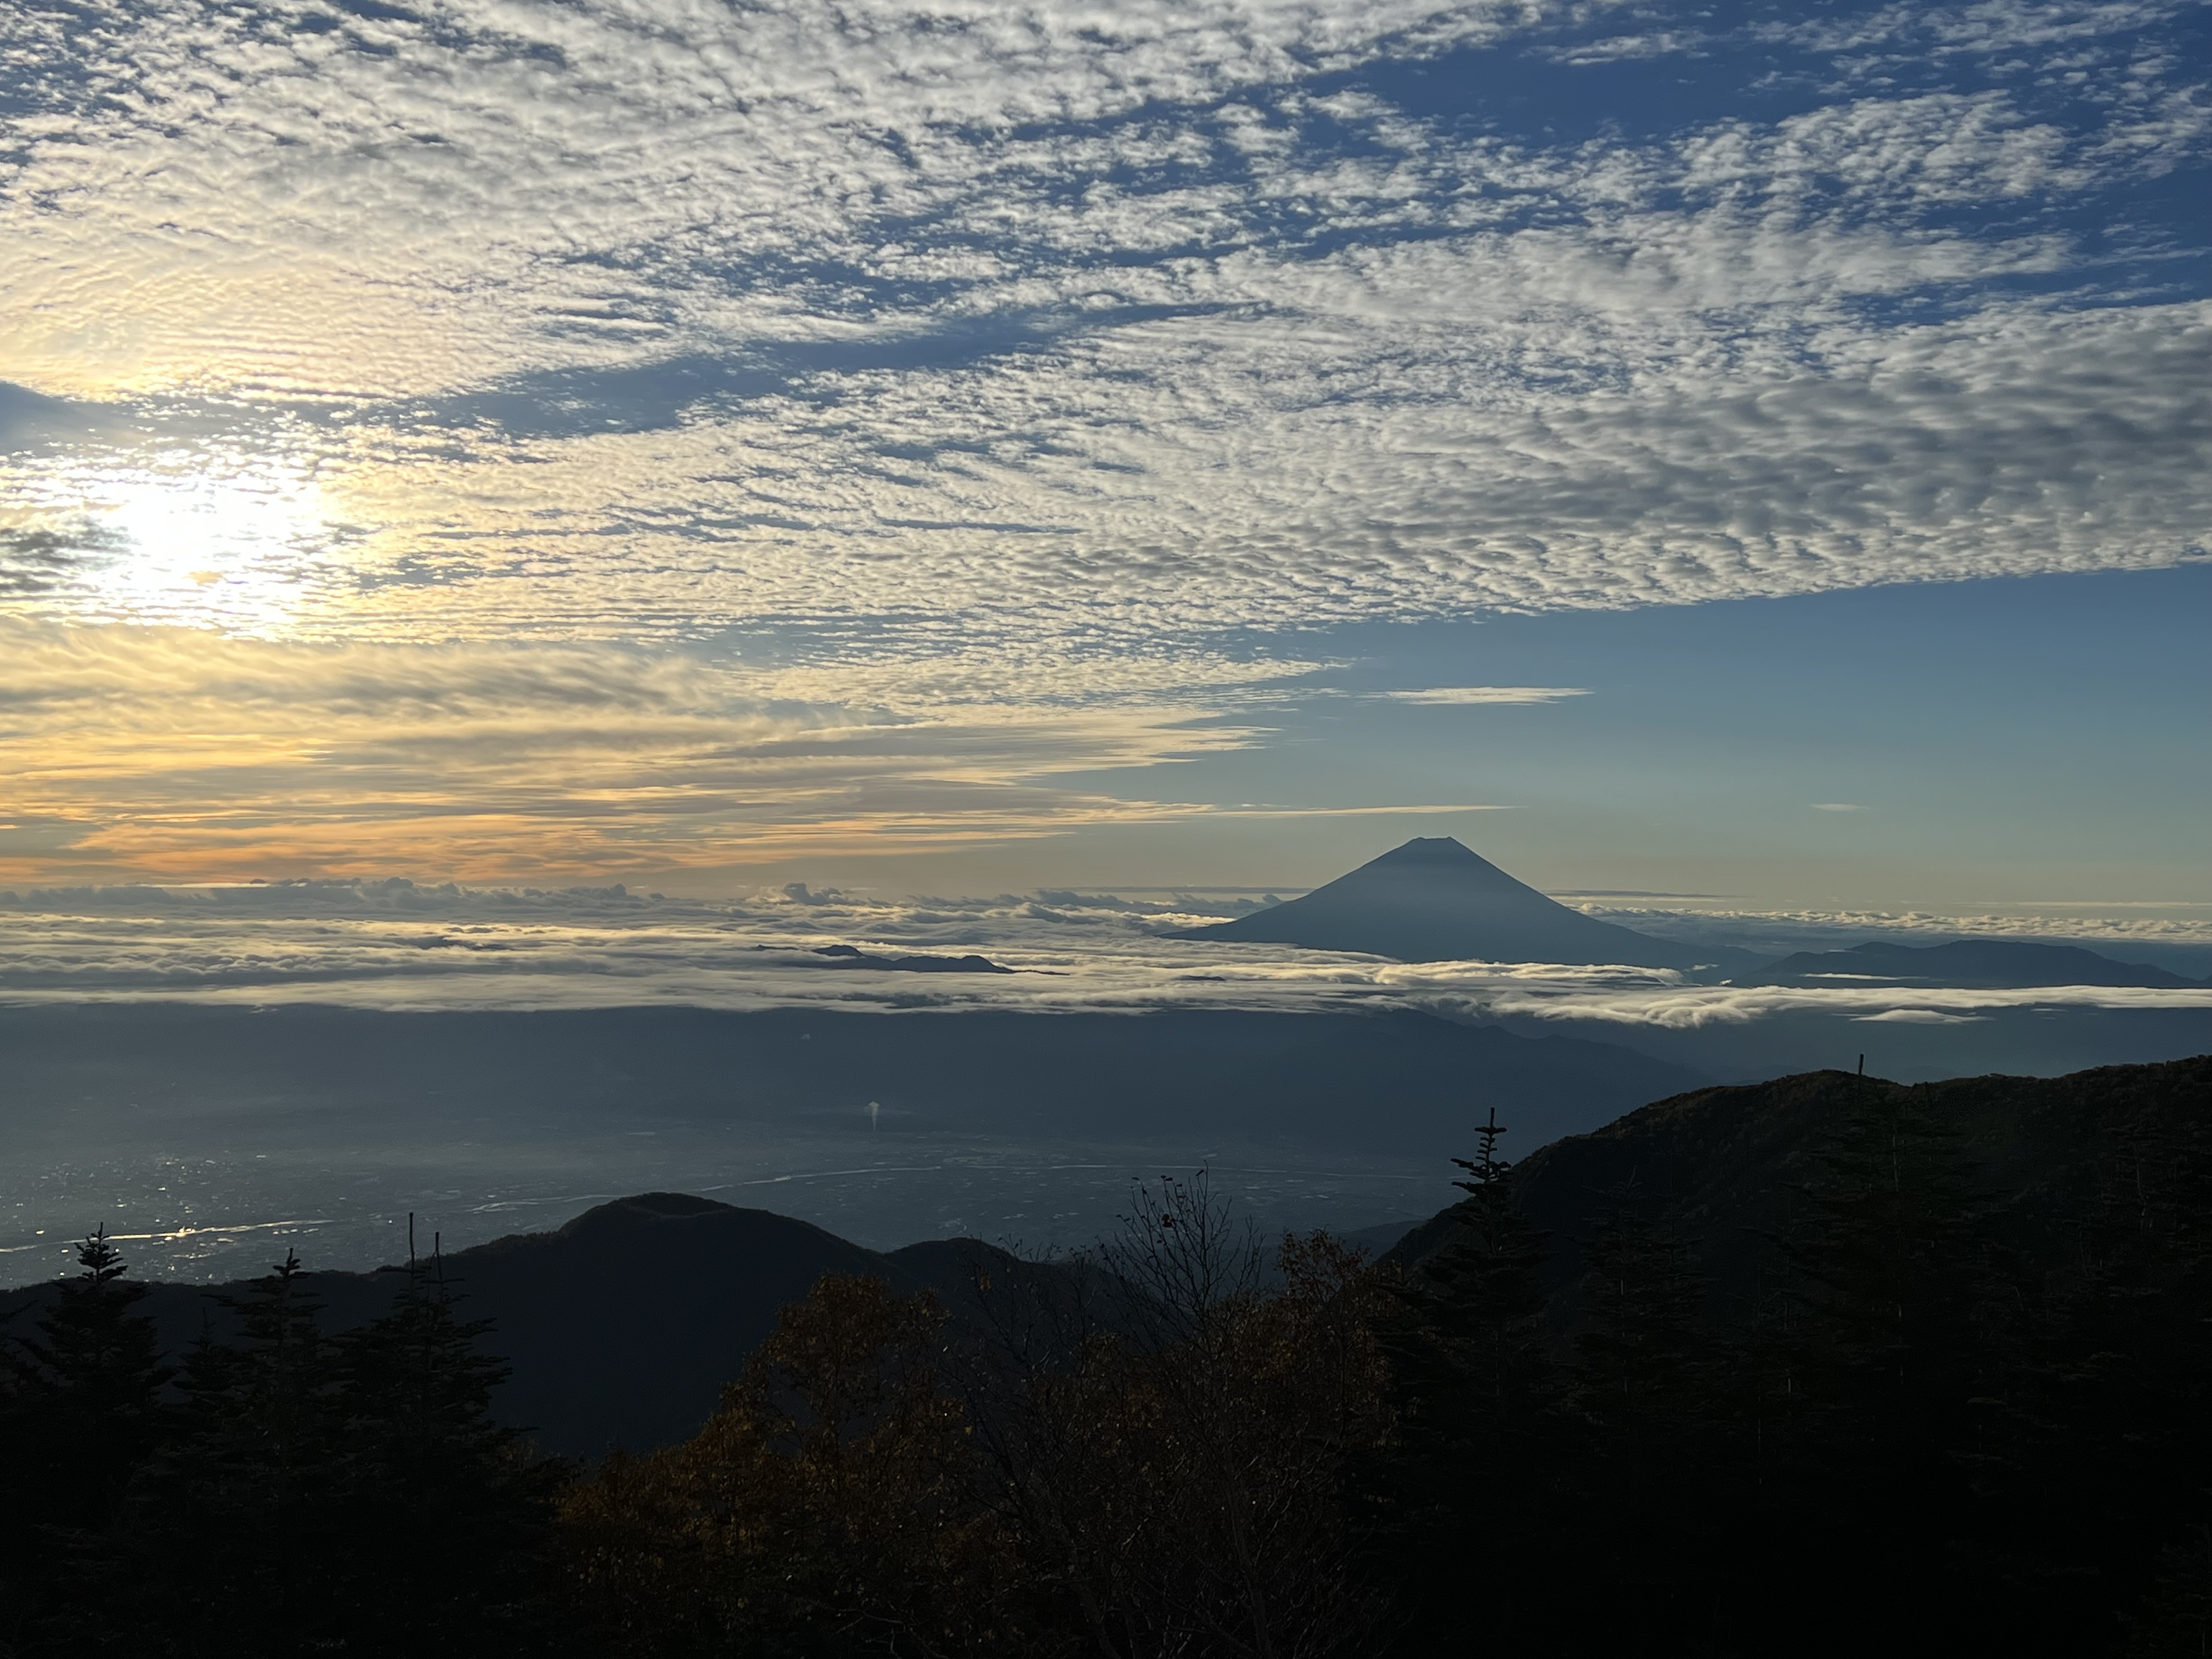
1824,1365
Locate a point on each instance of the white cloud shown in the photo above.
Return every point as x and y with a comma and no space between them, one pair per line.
1083,353
397,946
1916,1016
1470,695
1688,1007
2108,925
1836,806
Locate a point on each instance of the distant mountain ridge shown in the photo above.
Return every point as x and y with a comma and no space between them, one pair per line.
851,956
1966,964
1434,899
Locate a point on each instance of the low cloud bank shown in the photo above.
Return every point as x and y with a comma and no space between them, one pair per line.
400,945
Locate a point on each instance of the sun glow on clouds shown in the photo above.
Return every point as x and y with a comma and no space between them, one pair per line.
230,536
177,753
224,535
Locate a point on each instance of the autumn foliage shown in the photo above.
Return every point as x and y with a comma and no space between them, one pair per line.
1144,1454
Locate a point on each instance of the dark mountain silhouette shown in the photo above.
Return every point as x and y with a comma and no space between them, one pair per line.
621,1326
1925,1368
1967,963
1433,900
1732,1164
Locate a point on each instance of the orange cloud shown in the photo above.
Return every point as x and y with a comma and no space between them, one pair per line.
173,755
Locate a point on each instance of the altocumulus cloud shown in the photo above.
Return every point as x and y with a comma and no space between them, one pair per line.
954,337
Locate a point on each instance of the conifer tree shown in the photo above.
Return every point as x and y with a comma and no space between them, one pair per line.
82,1413
238,1527
1479,1301
87,1394
1477,1402
444,1512
2175,1621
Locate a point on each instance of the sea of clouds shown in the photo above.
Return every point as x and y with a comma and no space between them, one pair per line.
395,944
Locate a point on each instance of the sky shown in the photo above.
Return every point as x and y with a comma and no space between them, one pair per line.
1743,456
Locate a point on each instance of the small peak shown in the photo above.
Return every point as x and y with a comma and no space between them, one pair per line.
642,1205
1430,849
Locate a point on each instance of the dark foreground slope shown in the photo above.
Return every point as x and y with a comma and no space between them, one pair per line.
1735,1166
1846,1367
1827,1366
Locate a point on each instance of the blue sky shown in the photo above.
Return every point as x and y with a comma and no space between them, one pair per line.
2003,743
942,446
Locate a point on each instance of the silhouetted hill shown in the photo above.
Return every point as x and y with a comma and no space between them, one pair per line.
1967,963
1733,1163
1433,900
621,1326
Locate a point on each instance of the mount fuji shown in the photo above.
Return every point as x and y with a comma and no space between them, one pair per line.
1435,900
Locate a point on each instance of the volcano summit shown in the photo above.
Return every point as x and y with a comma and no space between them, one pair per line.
1435,900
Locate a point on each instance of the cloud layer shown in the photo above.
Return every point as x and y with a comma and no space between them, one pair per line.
397,945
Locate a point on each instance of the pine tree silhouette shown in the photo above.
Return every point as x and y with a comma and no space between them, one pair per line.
89,1387
1482,1298
1479,1405
444,1512
84,1412
237,1527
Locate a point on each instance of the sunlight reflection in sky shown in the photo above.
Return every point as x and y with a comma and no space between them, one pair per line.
213,536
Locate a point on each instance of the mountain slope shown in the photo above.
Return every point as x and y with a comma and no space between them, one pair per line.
1434,900
621,1326
1732,1164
